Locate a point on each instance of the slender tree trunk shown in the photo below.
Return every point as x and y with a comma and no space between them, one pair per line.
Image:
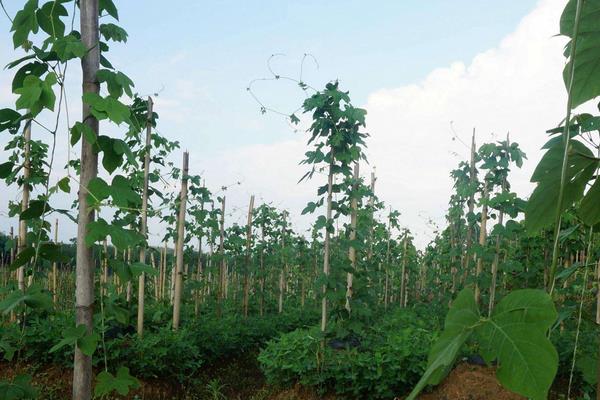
248,256
144,221
471,205
262,271
403,277
223,266
55,268
387,262
180,241
497,249
371,206
24,202
326,245
84,286
482,239
351,250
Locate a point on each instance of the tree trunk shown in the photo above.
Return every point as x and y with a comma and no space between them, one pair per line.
180,241
144,221
351,250
403,277
482,239
84,272
248,256
24,203
471,205
326,245
55,268
223,265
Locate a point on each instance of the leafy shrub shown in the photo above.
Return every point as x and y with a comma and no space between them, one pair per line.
389,360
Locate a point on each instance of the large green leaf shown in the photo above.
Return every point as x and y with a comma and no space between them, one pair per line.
541,207
589,209
586,82
516,337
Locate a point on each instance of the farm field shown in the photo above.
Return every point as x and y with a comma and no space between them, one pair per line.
128,272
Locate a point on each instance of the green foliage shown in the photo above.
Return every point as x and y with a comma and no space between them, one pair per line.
18,389
389,359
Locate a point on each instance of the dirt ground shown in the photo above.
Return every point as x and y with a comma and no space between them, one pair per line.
240,379
471,382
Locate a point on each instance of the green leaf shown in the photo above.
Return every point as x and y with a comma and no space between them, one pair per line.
22,258
586,83
139,268
122,193
36,94
70,337
589,211
109,7
6,169
516,337
107,107
113,32
80,129
106,383
25,22
88,343
69,47
64,184
116,82
36,209
48,17
541,207
34,68
33,297
98,190
9,119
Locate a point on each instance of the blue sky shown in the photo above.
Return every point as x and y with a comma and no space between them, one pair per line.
414,65
222,45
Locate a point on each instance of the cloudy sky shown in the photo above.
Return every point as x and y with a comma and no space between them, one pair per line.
423,70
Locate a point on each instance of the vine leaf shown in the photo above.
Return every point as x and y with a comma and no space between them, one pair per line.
24,23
